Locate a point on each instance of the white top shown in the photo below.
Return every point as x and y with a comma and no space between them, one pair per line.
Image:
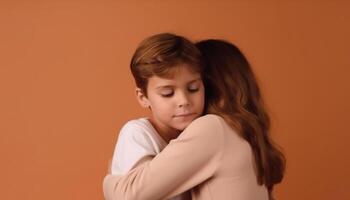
137,139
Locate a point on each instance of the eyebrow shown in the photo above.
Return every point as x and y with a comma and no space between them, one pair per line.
169,86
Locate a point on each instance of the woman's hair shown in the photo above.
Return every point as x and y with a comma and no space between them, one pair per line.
233,93
160,54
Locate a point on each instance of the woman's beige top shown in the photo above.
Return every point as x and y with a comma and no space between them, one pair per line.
208,157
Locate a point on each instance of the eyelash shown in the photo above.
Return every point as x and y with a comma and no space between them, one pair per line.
189,89
193,89
167,95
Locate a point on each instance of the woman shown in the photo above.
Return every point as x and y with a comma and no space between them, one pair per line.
226,154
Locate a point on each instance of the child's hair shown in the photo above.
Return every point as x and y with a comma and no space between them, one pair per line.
233,93
159,54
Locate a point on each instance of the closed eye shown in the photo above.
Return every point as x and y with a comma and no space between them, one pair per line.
193,88
166,92
167,95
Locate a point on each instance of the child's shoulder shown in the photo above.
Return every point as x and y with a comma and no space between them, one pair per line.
138,124
140,132
137,128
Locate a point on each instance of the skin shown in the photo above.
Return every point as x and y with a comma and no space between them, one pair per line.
175,102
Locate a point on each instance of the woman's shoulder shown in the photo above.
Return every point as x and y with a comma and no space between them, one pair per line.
211,124
205,126
205,133
209,120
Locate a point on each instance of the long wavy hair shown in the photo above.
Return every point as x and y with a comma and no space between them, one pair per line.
232,92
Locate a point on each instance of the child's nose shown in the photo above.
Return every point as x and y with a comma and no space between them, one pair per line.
183,99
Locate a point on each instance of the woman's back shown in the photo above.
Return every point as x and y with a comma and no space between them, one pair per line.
235,177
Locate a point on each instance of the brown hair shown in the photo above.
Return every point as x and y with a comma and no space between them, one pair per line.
159,54
233,93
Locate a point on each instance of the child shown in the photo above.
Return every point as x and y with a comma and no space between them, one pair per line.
168,75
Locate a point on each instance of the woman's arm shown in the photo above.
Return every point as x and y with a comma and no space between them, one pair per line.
186,162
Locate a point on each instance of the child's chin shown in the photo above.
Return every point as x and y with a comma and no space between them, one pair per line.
182,126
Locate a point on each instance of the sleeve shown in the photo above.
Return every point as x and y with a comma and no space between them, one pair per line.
187,161
133,145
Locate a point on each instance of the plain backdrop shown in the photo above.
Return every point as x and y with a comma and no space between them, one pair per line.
66,88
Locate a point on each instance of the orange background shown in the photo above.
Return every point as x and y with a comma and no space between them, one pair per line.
66,88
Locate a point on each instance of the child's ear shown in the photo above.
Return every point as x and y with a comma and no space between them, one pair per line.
142,99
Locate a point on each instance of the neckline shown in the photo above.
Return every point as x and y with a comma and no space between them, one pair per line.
162,141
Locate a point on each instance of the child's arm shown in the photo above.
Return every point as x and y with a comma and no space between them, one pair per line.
184,163
133,145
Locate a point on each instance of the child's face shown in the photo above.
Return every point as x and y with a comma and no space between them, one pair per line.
177,101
